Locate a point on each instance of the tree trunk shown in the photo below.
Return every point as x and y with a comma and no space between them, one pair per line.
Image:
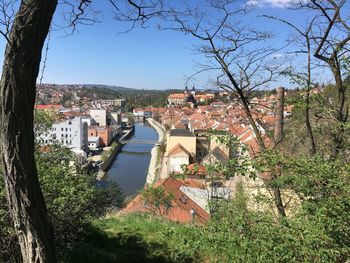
341,113
307,109
17,98
278,134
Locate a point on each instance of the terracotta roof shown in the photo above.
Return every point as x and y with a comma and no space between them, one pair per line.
178,148
181,206
176,96
185,204
48,106
201,170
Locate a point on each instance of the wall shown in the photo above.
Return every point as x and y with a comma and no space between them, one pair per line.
189,143
100,116
176,162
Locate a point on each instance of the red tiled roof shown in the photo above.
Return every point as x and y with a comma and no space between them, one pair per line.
201,170
180,210
48,106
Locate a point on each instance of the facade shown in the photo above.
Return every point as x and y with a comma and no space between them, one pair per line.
184,137
105,133
94,142
115,118
178,156
141,112
176,99
71,133
100,117
54,107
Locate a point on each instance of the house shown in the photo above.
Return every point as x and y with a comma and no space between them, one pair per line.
100,117
183,137
178,156
196,171
141,112
55,107
94,142
105,133
183,208
214,156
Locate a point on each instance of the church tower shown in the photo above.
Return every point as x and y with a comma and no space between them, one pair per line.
193,91
186,90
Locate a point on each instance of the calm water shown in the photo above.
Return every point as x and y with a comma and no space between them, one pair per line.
129,168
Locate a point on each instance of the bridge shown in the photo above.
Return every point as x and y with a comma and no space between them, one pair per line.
138,142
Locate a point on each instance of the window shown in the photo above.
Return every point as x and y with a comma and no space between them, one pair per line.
66,129
183,199
61,129
62,135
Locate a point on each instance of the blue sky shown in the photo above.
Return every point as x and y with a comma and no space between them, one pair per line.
143,58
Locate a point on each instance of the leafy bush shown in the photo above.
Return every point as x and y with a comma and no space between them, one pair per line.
72,200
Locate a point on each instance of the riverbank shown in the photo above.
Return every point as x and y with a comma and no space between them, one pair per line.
156,153
113,151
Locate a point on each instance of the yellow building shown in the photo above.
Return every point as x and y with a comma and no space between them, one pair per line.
184,137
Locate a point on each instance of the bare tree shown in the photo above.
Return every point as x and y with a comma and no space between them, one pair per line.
301,78
330,33
235,52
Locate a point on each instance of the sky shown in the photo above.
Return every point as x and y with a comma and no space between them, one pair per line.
143,58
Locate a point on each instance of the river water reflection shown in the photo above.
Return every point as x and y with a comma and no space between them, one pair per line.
129,168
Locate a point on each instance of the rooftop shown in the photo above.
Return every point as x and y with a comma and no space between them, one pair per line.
181,133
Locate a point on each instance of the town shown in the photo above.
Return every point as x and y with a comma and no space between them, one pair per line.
160,131
189,128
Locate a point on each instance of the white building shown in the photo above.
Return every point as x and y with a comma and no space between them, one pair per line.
72,133
94,142
100,117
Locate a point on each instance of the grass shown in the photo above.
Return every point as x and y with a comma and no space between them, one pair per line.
132,238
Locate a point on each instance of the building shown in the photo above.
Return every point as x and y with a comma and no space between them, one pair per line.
105,133
178,156
186,206
54,107
115,118
176,99
142,113
71,133
187,97
94,142
183,137
100,117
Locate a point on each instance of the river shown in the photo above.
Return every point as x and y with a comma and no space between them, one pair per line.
129,168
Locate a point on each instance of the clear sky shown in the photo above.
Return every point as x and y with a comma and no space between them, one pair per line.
143,58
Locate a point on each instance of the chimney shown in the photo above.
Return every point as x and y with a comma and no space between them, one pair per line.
279,115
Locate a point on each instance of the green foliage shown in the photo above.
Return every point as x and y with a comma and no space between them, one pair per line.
156,199
135,238
234,234
71,196
72,200
43,120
